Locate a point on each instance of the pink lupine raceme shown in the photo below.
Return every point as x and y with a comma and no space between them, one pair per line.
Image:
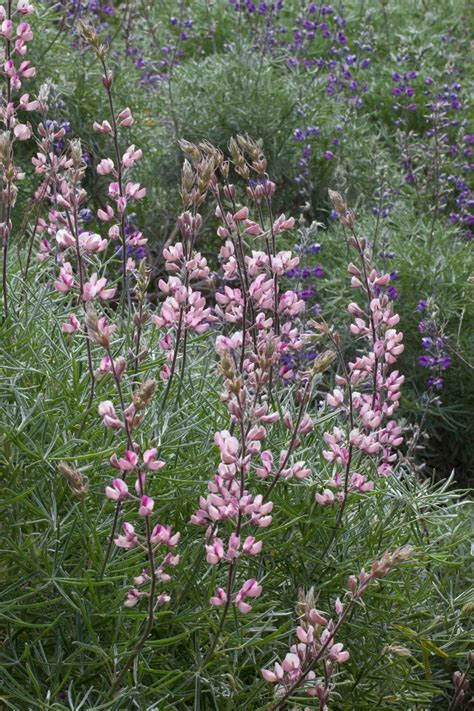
184,309
366,390
316,643
260,328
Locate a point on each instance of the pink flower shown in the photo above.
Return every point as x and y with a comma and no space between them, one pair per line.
105,166
72,325
266,459
251,546
26,70
64,239
92,242
220,598
96,287
252,228
272,677
146,506
125,117
337,654
118,491
215,551
107,413
121,204
102,332
23,32
105,215
129,539
24,7
126,463
6,29
22,132
325,499
336,399
134,191
65,281
164,535
133,597
150,462
291,662
282,223
131,156
103,127
249,589
241,214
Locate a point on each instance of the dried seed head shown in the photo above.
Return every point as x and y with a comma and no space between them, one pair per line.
76,480
382,567
44,91
337,202
187,177
249,146
323,362
5,148
397,649
142,281
76,152
346,215
143,396
92,320
190,150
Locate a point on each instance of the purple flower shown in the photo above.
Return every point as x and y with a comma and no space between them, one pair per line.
421,306
426,361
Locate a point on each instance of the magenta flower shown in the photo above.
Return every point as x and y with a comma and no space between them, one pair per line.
146,506
118,491
129,539
150,462
72,325
95,287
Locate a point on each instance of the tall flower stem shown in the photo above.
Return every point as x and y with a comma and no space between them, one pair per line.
73,226
294,436
131,446
7,206
107,82
149,546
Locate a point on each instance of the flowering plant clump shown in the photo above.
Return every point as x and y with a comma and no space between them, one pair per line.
193,432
